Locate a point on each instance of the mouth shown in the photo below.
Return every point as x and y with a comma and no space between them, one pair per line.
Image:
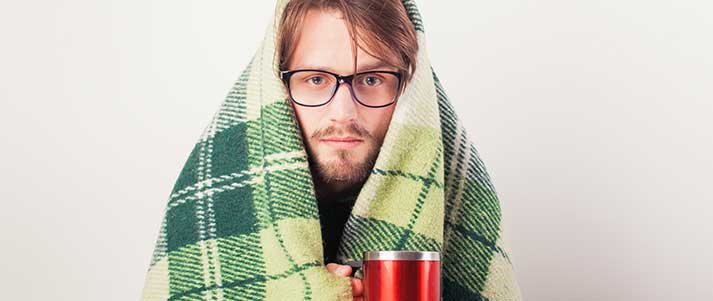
342,142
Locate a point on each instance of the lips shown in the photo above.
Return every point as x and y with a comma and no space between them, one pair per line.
345,139
342,142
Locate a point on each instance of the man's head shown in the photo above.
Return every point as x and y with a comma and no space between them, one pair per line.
346,37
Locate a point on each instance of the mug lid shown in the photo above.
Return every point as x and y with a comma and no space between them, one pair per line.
401,255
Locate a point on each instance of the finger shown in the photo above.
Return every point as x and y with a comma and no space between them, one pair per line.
344,270
332,267
357,287
341,270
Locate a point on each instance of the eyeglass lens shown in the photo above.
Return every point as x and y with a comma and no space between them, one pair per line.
316,88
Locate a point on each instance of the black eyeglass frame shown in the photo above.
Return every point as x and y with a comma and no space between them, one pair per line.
286,74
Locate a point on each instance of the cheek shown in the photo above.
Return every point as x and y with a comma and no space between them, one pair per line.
307,120
378,123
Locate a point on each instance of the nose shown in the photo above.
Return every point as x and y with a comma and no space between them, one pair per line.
343,108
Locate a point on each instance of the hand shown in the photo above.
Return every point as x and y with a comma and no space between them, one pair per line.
346,271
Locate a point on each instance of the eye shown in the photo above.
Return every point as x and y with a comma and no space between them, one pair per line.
372,80
317,80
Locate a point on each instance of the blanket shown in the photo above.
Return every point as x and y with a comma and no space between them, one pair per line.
242,223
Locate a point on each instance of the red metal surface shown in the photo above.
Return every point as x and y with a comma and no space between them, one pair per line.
402,280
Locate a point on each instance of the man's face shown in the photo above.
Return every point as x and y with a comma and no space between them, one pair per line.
343,137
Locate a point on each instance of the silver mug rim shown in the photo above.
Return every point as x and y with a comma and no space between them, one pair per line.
402,255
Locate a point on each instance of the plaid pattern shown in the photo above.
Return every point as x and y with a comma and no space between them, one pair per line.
242,223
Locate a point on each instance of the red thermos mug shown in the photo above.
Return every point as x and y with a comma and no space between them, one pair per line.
401,276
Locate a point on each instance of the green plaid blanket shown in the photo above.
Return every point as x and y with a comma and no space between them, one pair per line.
242,223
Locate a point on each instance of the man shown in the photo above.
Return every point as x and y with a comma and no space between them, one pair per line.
332,143
344,123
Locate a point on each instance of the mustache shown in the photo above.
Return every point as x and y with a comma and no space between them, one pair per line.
353,129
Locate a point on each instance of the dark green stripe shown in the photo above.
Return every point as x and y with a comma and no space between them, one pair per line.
267,126
413,14
408,175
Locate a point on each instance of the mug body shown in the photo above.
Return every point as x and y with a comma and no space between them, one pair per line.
401,275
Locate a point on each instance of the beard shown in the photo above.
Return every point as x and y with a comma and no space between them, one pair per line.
345,167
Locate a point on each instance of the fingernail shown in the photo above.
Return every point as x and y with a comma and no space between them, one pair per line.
343,269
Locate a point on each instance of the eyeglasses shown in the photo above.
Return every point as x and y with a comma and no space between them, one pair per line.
314,88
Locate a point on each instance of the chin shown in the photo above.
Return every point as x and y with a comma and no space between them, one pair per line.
344,165
341,167
337,160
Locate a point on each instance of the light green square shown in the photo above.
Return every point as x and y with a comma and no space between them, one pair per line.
291,287
394,199
294,239
411,149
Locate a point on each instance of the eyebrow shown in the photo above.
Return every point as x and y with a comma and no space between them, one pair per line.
367,67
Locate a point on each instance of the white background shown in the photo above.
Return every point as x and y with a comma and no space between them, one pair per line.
593,118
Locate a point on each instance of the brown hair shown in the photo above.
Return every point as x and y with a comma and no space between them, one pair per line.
383,25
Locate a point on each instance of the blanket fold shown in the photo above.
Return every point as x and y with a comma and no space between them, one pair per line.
242,222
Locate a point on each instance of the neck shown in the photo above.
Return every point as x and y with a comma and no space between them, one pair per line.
326,191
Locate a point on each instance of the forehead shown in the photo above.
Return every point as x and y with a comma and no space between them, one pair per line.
324,43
